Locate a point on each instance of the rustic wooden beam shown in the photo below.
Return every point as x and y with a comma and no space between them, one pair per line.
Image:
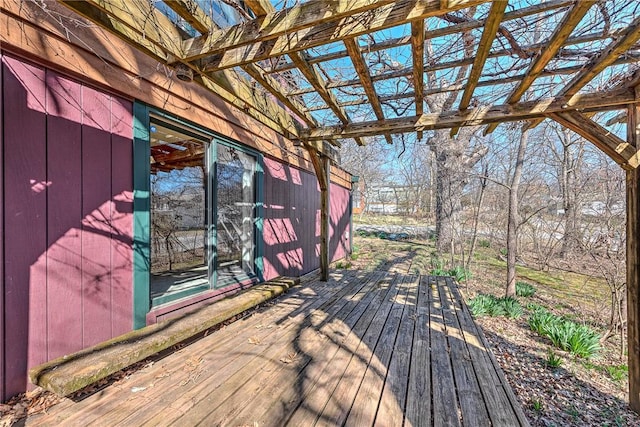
275,24
616,148
621,117
477,116
594,67
440,32
275,88
625,59
149,45
145,28
190,11
365,79
324,148
489,34
263,45
198,19
417,51
260,8
142,17
633,261
484,47
322,167
564,29
318,82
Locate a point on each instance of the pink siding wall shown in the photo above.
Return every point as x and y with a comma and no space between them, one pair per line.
292,221
339,222
67,170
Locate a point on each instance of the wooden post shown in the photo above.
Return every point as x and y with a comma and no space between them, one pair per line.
633,260
325,205
322,167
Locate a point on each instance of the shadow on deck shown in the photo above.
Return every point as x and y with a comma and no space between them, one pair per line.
366,348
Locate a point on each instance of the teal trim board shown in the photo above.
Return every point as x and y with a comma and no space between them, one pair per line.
141,214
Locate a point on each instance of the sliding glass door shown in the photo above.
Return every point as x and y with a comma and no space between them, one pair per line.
203,212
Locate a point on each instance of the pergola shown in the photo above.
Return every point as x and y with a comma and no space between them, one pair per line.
322,71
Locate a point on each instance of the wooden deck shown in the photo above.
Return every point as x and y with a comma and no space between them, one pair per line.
379,348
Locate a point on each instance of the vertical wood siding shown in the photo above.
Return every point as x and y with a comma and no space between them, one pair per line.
2,375
67,172
292,221
339,220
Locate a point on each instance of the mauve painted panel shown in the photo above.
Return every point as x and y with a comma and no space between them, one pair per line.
339,219
121,216
96,212
292,221
3,396
64,216
25,184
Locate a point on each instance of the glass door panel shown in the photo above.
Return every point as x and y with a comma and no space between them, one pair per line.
235,212
178,213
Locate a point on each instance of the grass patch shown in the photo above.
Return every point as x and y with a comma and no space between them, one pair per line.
490,305
553,360
567,335
524,289
618,372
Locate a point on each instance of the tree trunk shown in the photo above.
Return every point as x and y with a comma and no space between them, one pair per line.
513,221
449,186
476,217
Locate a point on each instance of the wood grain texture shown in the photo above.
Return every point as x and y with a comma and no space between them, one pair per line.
321,31
338,352
476,116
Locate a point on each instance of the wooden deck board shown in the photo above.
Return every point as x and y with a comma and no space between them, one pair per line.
378,348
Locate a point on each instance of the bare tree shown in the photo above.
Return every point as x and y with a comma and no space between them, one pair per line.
514,220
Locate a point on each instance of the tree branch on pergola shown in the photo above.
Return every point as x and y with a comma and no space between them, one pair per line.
598,64
571,19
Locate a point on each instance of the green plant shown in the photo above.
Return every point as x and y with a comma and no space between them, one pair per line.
503,251
483,243
480,305
339,265
532,306
617,372
573,337
553,360
460,273
490,305
354,256
536,405
511,306
524,289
